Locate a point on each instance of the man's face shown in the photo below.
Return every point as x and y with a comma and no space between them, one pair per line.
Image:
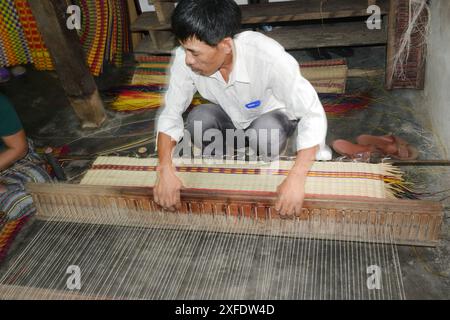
202,58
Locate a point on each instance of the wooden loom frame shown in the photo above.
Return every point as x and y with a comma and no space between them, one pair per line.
411,222
406,222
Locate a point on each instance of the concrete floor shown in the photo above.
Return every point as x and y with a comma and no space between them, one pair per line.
49,120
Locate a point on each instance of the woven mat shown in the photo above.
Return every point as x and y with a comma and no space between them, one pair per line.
326,76
39,53
104,34
8,232
14,48
335,179
147,87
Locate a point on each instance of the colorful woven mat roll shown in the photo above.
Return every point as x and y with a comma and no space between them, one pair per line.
330,179
40,55
326,76
93,35
147,87
104,34
14,48
146,90
8,232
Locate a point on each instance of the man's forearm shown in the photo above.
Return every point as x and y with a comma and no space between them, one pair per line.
303,162
165,148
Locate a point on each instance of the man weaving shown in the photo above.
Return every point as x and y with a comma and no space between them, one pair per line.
253,85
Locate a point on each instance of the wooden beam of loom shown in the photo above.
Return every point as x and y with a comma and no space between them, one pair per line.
20,292
406,222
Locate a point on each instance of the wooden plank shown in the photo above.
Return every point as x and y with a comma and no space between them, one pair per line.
158,24
133,15
147,46
327,35
69,61
148,21
381,204
163,11
306,10
302,37
392,22
364,73
64,202
279,12
13,292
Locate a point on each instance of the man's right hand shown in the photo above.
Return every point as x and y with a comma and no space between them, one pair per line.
166,192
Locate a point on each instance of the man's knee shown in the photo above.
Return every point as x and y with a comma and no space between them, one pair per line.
208,116
203,113
268,135
266,143
274,120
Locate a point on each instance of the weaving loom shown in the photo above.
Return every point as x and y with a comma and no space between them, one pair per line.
227,241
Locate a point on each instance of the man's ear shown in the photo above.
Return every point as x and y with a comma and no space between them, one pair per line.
227,45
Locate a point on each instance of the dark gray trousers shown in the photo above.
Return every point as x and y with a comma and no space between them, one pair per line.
266,136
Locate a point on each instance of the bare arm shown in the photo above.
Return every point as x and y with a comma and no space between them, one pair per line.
165,147
16,149
167,189
291,192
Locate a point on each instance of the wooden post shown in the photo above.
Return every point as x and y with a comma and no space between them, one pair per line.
164,10
133,15
392,22
69,61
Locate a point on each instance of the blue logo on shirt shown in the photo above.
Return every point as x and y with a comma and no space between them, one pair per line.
254,104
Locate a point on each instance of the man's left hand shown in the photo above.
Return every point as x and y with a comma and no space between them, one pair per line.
291,194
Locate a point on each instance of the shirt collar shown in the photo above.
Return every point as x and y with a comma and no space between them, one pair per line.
239,72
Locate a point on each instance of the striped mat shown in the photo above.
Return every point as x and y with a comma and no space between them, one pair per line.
104,32
330,179
148,83
39,53
326,76
147,87
8,232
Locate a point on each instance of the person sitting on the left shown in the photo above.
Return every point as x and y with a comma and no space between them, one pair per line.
13,143
19,164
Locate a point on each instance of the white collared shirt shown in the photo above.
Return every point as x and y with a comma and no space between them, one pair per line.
263,75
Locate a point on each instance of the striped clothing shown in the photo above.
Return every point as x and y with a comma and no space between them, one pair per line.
16,205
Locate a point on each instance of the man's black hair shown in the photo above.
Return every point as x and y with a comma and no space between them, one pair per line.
209,21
